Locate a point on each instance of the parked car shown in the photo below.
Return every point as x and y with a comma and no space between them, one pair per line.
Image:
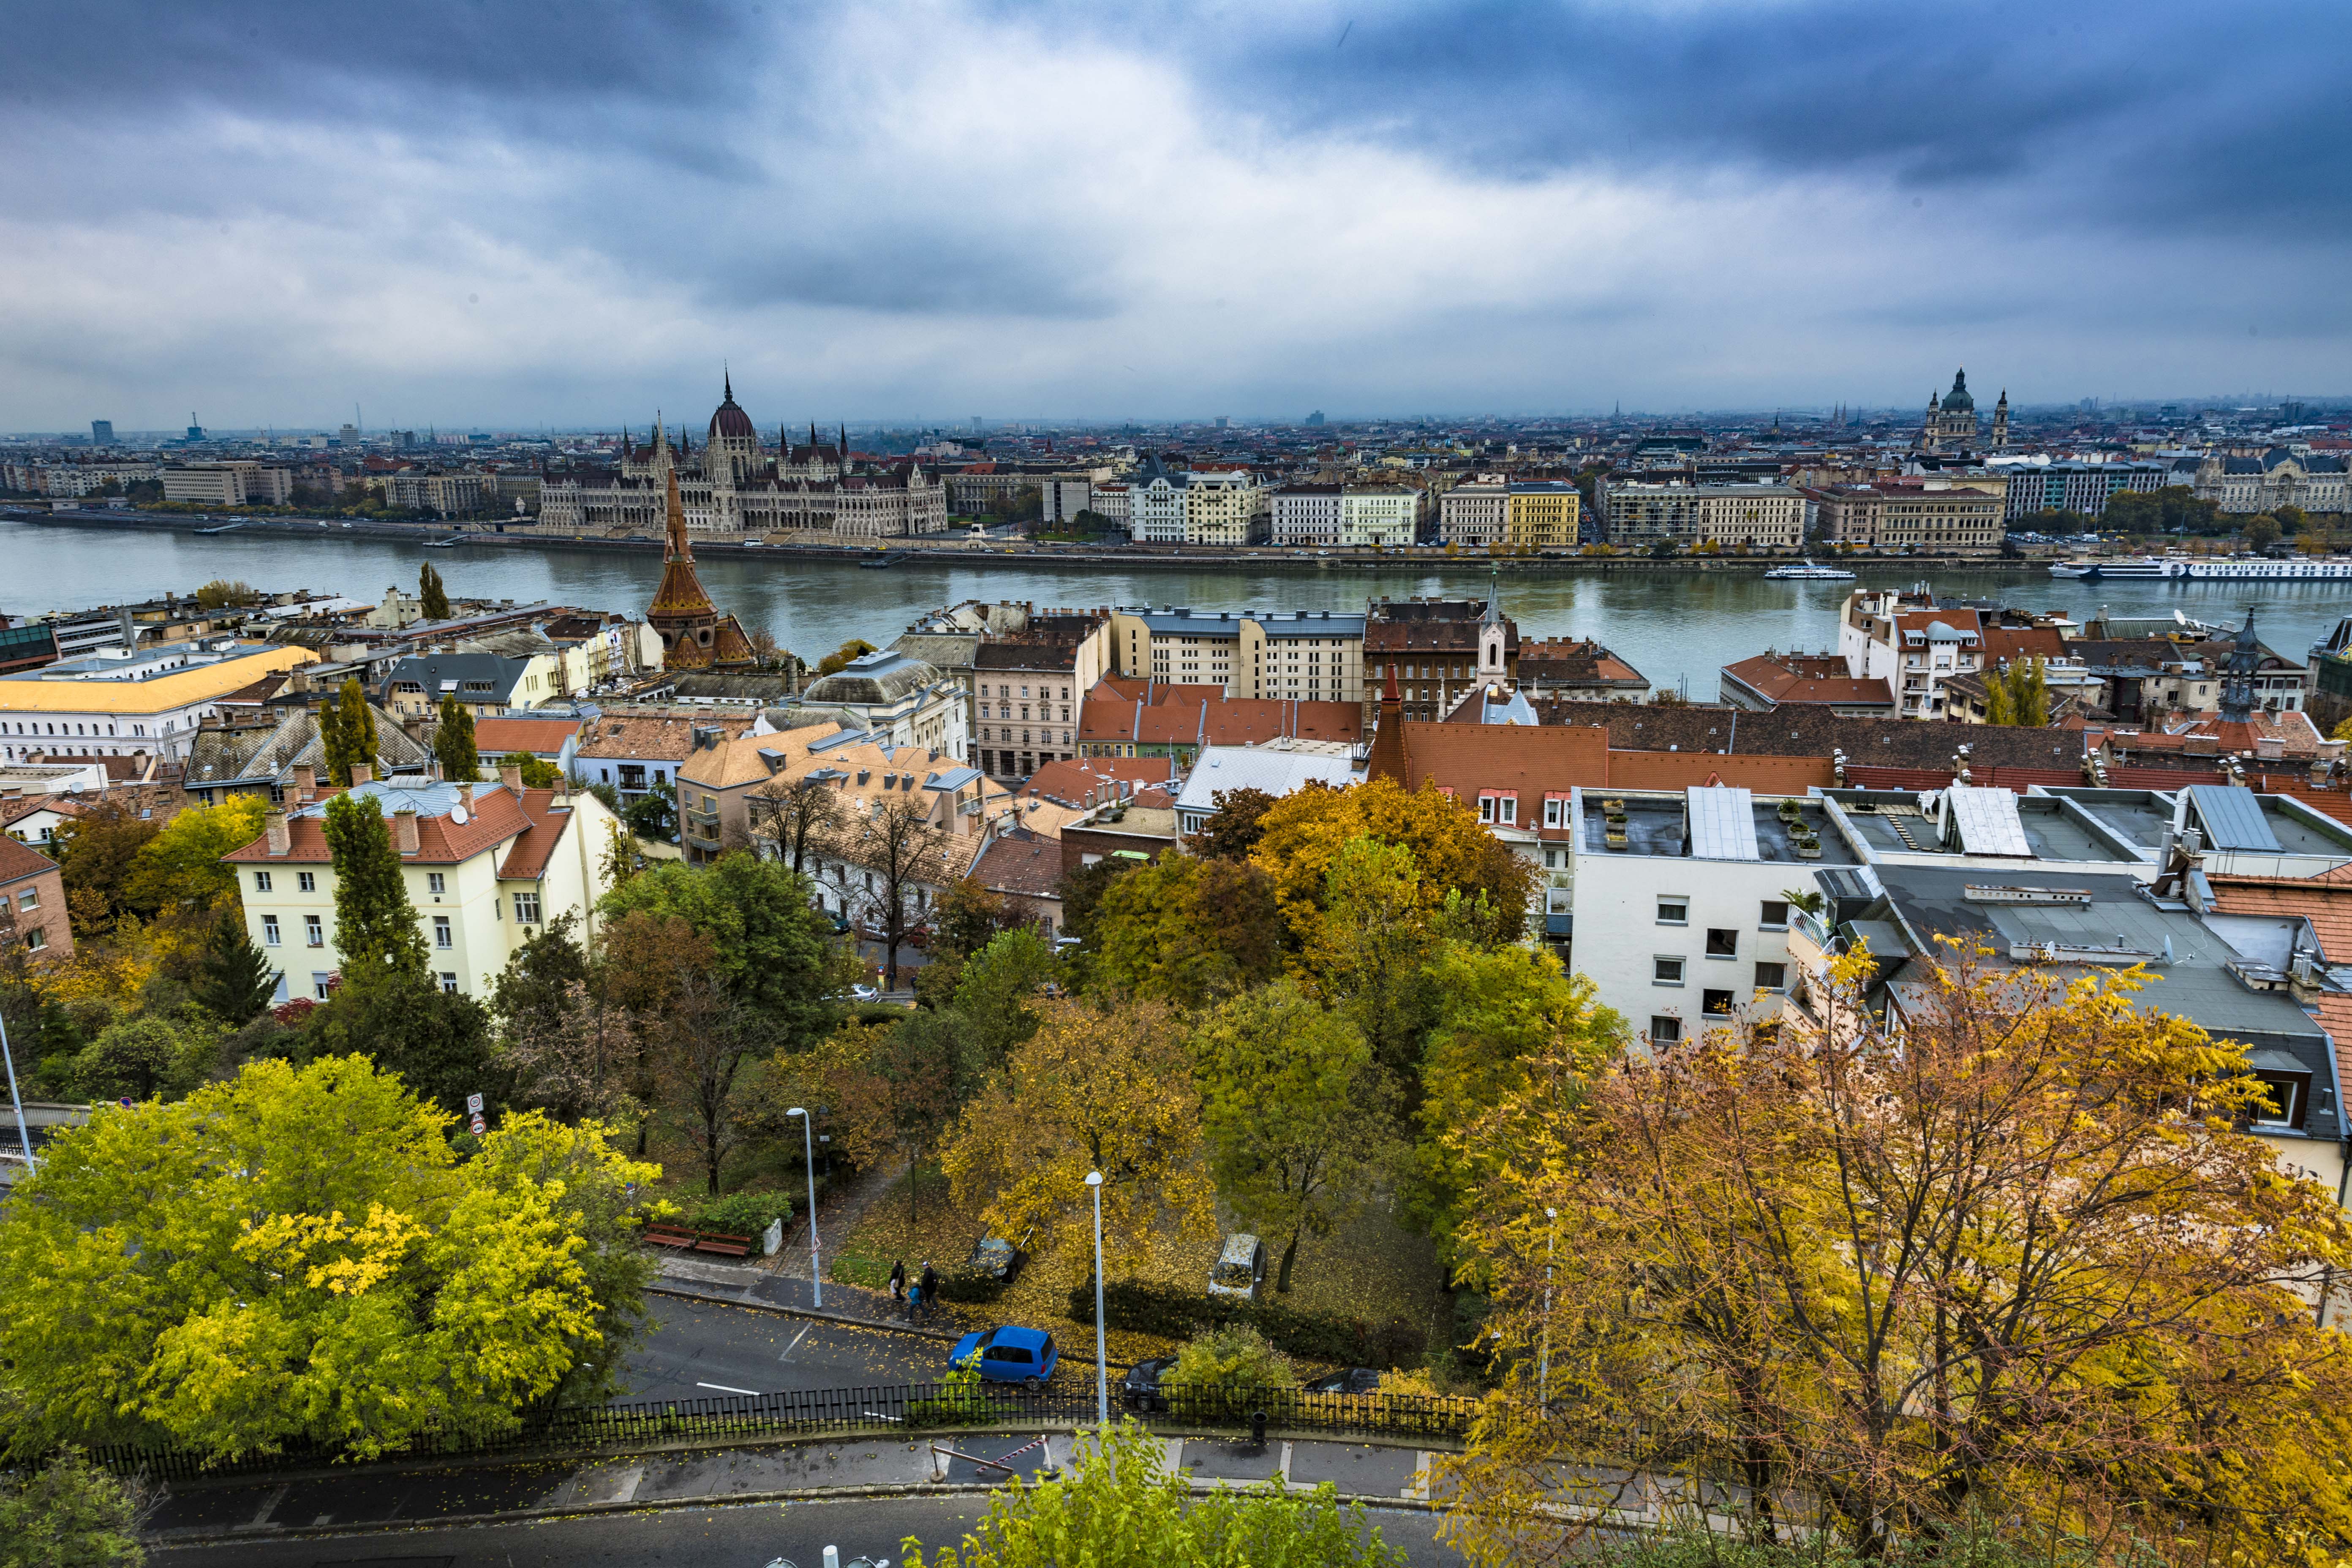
1240,1269
865,992
993,1258
1347,1380
1008,1354
1140,1390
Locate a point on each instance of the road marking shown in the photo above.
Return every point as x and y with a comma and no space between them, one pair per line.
724,1389
796,1342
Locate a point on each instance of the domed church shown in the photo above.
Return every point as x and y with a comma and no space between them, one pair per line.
1951,422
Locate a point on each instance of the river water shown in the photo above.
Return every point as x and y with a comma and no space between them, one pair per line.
1674,629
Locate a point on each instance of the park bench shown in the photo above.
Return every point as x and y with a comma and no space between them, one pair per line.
688,1240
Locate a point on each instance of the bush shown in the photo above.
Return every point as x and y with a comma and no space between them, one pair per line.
1314,1336
741,1214
962,1402
1230,1367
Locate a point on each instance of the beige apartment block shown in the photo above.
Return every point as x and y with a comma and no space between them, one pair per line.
1227,507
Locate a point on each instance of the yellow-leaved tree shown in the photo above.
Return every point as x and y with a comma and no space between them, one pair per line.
1303,833
295,1259
1090,1090
2014,1261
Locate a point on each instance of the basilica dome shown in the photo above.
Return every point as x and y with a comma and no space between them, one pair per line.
730,423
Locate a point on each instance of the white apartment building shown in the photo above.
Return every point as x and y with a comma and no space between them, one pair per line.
485,868
1155,507
1307,516
1912,644
1314,656
1226,508
1108,499
1474,514
229,484
116,702
1381,516
1637,512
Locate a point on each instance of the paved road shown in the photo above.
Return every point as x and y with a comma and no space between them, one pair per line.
746,1536
700,1348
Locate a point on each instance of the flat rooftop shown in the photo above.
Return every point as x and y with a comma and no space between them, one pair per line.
1890,822
2137,815
1660,826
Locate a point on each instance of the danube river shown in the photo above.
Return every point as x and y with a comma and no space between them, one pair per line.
1673,627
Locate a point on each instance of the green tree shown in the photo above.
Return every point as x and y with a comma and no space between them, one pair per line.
137,1060
1367,953
653,815
220,595
347,732
2263,532
1293,1114
97,850
375,925
294,1256
233,979
453,743
68,1513
994,995
1186,931
1119,1507
536,774
838,659
433,596
441,1042
1231,1366
775,953
533,992
1232,830
180,867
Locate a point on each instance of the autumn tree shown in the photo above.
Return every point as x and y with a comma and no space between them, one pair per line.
776,954
892,1089
2007,1254
838,659
700,1043
180,867
68,1513
97,851
796,815
1305,831
1232,830
1091,1090
220,593
432,594
898,850
347,732
1293,1114
1186,931
296,1257
453,742
537,774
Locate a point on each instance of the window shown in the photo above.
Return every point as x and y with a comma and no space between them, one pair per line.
36,939
2285,1093
313,933
1771,977
261,881
1714,1002
320,984
1674,913
306,881
434,883
1506,809
441,931
1665,1031
448,982
1773,914
1555,813
1721,944
30,899
526,909
269,931
1666,970
1486,808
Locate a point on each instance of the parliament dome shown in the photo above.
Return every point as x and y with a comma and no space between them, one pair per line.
729,422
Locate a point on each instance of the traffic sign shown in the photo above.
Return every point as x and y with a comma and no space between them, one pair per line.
474,1106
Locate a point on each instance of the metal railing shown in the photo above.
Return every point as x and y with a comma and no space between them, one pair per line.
816,1413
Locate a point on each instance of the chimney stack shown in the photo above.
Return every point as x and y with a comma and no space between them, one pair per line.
512,778
306,780
361,772
403,830
466,797
282,837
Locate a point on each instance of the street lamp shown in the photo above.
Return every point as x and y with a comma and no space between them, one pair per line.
24,1133
1102,1354
1543,1363
808,1162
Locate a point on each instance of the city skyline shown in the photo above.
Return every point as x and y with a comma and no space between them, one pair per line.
910,215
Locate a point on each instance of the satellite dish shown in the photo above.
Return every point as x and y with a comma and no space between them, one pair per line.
458,814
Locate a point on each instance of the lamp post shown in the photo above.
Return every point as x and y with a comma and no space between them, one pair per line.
24,1134
808,1162
1543,1363
1102,1354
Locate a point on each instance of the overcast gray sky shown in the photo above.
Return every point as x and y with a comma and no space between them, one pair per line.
463,212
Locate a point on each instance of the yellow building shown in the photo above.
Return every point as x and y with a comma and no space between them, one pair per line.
1541,516
116,702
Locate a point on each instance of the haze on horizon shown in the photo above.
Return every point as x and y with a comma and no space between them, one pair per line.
490,215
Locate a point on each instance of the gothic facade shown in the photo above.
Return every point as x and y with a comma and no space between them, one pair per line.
1951,422
736,487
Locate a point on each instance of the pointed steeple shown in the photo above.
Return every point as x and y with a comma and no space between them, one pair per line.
2245,661
727,382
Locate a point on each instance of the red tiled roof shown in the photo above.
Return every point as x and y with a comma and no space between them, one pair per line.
501,736
2326,902
1031,866
18,861
497,817
1071,780
1779,678
528,855
1242,722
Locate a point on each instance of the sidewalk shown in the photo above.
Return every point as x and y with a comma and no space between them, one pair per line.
754,1286
383,1497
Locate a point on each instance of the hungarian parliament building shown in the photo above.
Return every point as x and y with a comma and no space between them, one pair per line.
736,487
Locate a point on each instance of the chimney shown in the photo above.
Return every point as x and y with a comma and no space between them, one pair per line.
512,778
361,773
403,830
466,797
282,837
306,780
433,770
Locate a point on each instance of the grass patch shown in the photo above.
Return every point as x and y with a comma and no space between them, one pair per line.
859,1269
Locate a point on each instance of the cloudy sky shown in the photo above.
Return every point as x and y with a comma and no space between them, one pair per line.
470,212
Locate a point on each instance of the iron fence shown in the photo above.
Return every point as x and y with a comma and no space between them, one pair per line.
819,1411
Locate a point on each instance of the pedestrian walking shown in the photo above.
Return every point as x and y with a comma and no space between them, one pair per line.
898,1281
930,1289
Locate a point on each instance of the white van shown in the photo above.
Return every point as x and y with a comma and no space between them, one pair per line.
1239,1270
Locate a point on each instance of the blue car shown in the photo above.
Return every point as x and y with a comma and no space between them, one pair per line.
1007,1354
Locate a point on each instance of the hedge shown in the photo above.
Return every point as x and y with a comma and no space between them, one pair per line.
1317,1336
741,1214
